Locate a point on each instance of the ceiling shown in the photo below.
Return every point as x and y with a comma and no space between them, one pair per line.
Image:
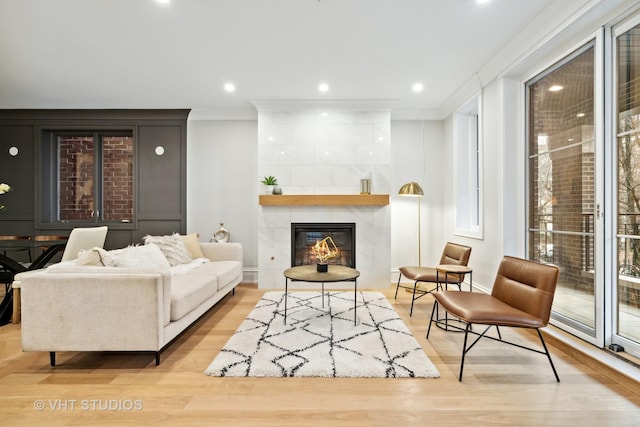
143,54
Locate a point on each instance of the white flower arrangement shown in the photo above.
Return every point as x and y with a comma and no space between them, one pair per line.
4,188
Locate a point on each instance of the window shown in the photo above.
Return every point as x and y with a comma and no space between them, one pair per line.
87,176
468,150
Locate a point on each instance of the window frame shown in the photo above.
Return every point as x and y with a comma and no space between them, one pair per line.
468,161
46,167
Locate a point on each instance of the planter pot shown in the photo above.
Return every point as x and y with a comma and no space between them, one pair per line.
268,189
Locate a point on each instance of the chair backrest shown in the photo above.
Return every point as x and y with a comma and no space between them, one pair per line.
454,253
83,239
526,285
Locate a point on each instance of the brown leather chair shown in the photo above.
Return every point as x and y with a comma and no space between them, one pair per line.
521,297
453,253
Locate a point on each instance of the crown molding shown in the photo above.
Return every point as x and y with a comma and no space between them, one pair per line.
216,114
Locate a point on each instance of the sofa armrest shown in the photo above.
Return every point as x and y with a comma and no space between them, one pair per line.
93,312
222,251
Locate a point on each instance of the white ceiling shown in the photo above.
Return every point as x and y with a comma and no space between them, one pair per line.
142,54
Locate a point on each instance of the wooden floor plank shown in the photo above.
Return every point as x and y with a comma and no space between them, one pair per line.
501,385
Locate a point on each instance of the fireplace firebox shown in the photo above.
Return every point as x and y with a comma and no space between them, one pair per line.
305,235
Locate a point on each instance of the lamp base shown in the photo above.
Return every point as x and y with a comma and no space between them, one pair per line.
322,268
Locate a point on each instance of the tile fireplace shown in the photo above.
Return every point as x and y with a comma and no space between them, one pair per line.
319,151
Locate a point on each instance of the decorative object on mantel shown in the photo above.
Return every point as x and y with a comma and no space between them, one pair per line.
413,189
323,253
221,235
323,342
4,188
270,182
365,186
277,190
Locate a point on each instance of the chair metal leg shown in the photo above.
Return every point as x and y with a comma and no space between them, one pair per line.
548,355
398,287
433,312
413,297
464,350
52,358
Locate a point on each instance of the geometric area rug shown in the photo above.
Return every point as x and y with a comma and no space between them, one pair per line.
322,341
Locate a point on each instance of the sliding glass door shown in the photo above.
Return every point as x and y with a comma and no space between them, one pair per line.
562,184
626,296
583,136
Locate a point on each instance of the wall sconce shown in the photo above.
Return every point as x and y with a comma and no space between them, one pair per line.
13,151
159,150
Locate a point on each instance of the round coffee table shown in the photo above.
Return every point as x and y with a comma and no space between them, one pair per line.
309,273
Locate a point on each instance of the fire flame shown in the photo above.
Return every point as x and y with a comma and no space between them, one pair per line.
323,251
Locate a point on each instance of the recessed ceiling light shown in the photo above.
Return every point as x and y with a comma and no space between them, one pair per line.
555,88
483,1
417,87
323,87
163,1
229,87
324,114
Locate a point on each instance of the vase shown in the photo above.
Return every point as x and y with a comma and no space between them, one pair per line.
322,267
222,234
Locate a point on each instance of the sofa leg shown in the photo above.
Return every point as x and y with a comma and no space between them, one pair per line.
52,358
157,358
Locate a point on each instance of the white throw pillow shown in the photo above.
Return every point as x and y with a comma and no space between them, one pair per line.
173,248
145,256
93,256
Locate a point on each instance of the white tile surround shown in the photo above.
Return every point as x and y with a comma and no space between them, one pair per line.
312,153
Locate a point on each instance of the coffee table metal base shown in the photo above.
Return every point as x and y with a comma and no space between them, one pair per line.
335,273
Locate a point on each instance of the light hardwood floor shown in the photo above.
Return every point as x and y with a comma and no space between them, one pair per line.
502,385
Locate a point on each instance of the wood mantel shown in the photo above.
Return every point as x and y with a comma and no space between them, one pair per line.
325,200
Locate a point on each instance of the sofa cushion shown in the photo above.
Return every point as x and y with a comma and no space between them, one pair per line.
225,271
189,291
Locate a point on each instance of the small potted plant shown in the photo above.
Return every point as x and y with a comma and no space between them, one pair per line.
270,182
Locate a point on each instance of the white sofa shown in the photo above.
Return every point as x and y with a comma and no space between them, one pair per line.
96,308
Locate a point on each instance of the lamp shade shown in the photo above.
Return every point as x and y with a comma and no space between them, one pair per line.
411,189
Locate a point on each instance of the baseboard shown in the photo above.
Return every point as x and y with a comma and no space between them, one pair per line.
618,370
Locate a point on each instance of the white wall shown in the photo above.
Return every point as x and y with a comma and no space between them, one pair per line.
221,183
417,151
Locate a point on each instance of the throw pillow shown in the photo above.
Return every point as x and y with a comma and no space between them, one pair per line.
193,246
173,248
145,256
93,256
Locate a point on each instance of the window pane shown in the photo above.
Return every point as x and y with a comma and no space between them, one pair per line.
628,150
562,182
75,178
117,176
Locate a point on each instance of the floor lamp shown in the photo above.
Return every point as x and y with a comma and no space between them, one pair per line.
413,189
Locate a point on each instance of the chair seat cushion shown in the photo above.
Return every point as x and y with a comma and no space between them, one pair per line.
427,274
485,309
